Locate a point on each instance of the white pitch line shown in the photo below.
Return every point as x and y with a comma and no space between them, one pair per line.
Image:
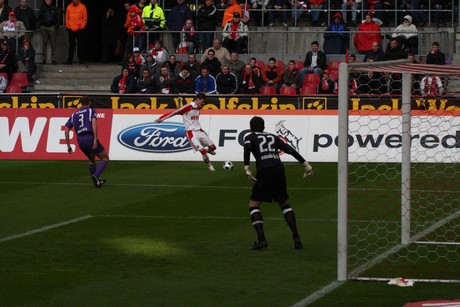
45,228
318,294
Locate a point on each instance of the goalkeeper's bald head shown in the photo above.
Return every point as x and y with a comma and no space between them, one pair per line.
257,124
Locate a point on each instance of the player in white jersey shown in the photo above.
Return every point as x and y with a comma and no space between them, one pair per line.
197,137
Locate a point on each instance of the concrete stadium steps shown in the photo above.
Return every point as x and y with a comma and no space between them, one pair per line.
76,77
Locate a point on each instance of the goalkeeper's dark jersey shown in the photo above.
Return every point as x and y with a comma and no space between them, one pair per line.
266,147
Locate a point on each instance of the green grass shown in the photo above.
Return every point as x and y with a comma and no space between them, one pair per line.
172,234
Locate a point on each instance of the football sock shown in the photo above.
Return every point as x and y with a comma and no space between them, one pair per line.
92,168
289,217
100,168
212,147
204,155
257,222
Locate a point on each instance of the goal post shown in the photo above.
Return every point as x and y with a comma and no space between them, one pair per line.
398,177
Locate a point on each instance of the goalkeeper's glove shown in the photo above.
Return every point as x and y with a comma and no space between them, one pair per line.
308,170
248,173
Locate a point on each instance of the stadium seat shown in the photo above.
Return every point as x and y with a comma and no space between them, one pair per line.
333,66
288,90
268,90
334,75
280,65
308,89
260,64
299,64
312,79
13,88
21,79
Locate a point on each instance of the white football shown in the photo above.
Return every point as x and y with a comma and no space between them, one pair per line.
228,165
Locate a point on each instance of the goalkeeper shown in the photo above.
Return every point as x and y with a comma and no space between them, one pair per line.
270,181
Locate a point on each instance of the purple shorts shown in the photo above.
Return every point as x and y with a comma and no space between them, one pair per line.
85,142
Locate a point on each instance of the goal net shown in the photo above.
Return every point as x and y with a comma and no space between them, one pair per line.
399,172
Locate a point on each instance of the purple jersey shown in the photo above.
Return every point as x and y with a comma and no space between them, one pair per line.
82,121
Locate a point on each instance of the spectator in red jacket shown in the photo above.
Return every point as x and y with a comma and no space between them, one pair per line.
271,74
368,33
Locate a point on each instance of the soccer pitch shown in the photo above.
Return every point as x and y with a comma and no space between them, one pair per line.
172,234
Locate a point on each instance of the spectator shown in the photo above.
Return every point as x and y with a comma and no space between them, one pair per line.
291,76
353,79
205,83
3,84
138,57
174,66
250,83
431,86
255,68
141,4
26,14
275,8
26,58
110,36
7,59
177,17
76,19
326,85
146,83
368,33
160,54
136,26
316,6
258,8
221,5
394,52
271,74
165,82
371,83
376,53
212,63
232,8
297,9
419,12
152,65
235,34
154,19
355,6
236,66
221,53
129,40
416,78
206,23
48,18
226,81
314,63
407,35
133,67
434,57
336,37
12,31
188,38
123,83
185,82
192,65
5,9
437,8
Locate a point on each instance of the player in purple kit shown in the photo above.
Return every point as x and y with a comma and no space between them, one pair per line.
85,125
270,181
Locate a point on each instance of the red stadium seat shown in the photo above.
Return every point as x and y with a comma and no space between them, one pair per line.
299,64
334,75
308,89
280,65
312,79
333,66
260,64
288,90
13,88
21,79
268,90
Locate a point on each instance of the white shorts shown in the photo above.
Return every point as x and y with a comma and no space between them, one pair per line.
198,139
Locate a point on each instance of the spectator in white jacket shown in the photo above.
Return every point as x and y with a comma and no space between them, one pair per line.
235,34
407,35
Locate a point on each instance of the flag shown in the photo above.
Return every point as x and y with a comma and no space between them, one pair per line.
246,12
347,56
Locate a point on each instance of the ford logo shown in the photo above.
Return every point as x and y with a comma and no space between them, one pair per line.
153,137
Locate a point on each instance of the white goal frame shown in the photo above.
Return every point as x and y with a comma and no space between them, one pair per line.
404,67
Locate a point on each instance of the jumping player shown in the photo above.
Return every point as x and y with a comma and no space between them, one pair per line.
270,181
197,137
85,125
